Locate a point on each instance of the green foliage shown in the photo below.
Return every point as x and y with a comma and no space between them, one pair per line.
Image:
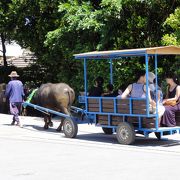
55,30
172,37
173,21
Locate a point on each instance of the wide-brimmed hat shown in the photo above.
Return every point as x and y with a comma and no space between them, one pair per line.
151,77
13,74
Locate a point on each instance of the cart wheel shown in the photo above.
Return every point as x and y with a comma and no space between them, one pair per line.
125,133
107,130
158,135
70,128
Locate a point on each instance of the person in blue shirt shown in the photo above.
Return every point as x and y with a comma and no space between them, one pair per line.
15,93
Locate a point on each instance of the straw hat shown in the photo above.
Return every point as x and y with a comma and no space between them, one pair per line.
13,74
151,77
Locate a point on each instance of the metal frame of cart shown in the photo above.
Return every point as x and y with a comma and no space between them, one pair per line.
96,107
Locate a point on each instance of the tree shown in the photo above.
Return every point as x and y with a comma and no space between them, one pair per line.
172,37
86,26
28,22
4,9
55,30
173,21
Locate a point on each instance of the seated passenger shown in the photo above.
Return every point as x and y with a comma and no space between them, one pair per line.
172,104
138,90
152,87
109,92
120,90
97,89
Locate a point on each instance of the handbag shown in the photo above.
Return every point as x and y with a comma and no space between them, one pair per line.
171,103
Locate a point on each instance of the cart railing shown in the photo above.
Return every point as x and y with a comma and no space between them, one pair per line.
113,105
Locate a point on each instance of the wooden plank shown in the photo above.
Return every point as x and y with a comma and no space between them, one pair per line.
123,106
132,119
123,111
108,110
116,118
123,101
149,125
93,105
149,120
138,107
110,106
139,102
93,101
115,123
146,123
139,111
93,109
107,101
102,117
103,122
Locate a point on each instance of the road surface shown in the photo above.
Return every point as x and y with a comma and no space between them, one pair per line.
31,153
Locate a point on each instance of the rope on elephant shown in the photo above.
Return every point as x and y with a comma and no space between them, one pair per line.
31,95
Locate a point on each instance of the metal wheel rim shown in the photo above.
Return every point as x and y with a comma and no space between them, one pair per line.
68,127
124,134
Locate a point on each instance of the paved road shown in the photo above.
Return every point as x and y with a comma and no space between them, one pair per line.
35,154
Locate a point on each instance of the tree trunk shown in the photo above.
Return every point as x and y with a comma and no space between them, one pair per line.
3,49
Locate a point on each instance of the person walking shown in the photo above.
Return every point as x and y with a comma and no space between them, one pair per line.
15,93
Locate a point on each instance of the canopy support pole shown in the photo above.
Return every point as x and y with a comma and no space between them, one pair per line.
147,84
111,71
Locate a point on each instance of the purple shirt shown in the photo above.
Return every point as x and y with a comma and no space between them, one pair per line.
15,91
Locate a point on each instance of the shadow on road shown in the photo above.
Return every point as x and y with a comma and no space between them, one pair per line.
37,128
140,140
7,125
